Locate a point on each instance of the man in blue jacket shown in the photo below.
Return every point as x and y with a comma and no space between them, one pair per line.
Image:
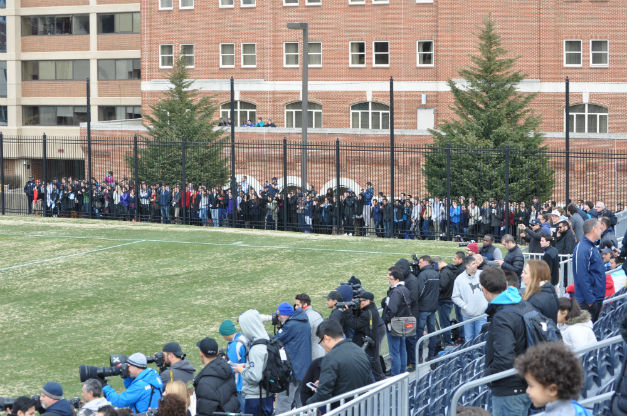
165,198
143,387
588,270
295,335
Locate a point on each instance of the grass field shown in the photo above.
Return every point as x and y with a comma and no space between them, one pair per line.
74,291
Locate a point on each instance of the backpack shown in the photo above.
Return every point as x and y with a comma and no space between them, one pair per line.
538,328
277,373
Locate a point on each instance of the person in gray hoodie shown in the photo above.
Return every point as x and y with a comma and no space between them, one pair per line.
252,371
179,367
467,294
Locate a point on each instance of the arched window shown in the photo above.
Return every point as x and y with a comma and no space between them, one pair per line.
370,115
293,115
243,112
588,118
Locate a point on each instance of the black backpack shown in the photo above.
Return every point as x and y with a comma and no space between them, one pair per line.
277,373
538,328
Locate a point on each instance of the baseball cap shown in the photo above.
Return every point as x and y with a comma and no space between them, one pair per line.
534,222
208,346
174,348
556,213
367,295
335,295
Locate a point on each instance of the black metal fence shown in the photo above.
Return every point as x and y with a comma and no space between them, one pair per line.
453,173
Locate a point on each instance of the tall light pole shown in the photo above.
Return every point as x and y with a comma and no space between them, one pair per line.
305,101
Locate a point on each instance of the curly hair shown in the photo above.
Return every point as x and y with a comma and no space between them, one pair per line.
553,363
172,405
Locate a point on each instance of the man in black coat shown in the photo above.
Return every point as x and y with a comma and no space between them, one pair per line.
429,284
30,194
344,368
551,257
448,274
215,384
514,259
415,288
565,238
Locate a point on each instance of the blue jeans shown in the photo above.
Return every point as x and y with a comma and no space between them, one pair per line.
460,318
473,329
444,314
387,228
251,406
203,215
165,214
426,225
517,405
428,319
215,217
242,401
398,354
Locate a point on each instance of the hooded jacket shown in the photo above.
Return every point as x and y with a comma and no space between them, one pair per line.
577,332
429,280
314,318
467,294
182,370
505,340
60,408
565,243
215,389
253,329
545,301
412,284
295,335
588,272
448,274
142,392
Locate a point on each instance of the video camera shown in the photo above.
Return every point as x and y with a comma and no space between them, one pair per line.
415,268
367,342
118,367
358,290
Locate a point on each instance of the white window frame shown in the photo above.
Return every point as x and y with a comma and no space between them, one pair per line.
285,64
356,2
242,54
350,55
193,55
370,111
221,54
374,54
317,114
313,2
226,6
423,1
587,114
380,1
166,8
181,7
418,64
161,55
314,65
607,41
244,6
285,4
580,53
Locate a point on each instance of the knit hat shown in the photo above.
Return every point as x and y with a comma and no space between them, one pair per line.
227,327
335,295
474,247
285,309
174,348
208,346
367,295
137,360
53,390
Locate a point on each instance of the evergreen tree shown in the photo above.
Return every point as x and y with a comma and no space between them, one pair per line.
490,114
182,113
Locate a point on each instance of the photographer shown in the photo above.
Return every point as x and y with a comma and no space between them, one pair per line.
52,400
332,299
143,386
368,328
92,394
180,368
23,406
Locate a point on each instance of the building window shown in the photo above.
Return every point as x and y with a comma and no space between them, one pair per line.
380,1
186,4
226,3
55,70
249,55
313,2
356,1
315,54
588,118
290,54
119,69
243,112
165,4
119,23
294,111
3,33
166,56
187,52
599,52
248,3
370,115
4,116
55,25
3,4
357,52
47,115
424,53
426,119
119,112
3,78
572,53
227,55
290,2
381,54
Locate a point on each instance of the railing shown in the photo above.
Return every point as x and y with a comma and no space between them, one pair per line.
504,374
389,397
565,267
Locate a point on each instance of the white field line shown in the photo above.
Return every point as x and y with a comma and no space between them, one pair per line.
235,244
32,263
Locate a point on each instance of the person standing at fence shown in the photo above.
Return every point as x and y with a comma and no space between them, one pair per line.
368,193
436,216
165,198
588,270
396,304
30,195
388,218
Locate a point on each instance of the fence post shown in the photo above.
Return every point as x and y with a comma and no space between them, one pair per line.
45,162
183,181
337,187
392,140
2,173
233,184
89,173
507,189
285,184
448,191
137,187
567,139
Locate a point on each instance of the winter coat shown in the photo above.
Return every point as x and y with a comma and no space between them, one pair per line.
588,272
468,296
608,239
295,334
388,212
551,257
397,303
182,370
491,253
60,408
429,280
314,320
215,389
565,243
545,301
346,367
142,392
448,274
577,332
533,237
514,260
411,283
577,222
236,353
253,329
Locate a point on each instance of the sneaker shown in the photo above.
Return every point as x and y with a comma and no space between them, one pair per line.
410,368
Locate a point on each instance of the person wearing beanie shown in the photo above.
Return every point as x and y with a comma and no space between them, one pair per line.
180,368
295,335
143,386
52,400
236,353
